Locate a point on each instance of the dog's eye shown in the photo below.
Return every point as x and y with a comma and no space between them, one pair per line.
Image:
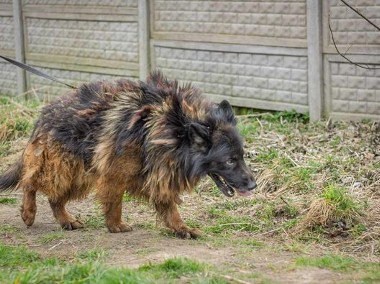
230,162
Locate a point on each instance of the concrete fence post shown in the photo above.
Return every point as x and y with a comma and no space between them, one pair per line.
144,36
19,41
315,58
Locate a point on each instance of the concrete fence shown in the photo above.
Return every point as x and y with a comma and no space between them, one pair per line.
275,55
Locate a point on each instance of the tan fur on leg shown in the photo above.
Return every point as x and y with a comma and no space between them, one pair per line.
66,220
29,207
172,219
110,194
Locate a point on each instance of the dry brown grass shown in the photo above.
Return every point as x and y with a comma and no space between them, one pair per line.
299,162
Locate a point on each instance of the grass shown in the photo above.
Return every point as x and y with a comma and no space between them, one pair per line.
16,118
369,271
344,204
7,228
92,254
16,121
16,256
51,237
94,221
88,267
332,262
8,200
175,268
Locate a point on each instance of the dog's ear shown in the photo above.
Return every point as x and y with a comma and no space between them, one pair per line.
199,136
226,109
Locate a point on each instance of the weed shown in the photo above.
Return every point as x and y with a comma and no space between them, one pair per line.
50,237
92,255
8,200
358,229
267,156
127,197
227,223
175,267
289,224
345,207
193,223
7,228
4,148
295,246
288,116
248,130
304,175
252,243
94,222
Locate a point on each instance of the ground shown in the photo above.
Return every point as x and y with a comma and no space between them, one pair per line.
264,261
314,219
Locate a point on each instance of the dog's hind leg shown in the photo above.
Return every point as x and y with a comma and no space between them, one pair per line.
110,194
29,206
66,220
172,219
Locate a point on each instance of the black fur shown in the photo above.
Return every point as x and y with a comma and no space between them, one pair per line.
11,177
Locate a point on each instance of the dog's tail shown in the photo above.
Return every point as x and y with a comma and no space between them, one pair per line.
11,177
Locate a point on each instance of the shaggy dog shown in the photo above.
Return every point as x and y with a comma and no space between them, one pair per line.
154,140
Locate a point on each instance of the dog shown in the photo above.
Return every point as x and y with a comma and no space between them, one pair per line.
153,139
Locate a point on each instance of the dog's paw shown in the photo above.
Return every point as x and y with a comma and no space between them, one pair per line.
28,217
119,228
72,225
188,233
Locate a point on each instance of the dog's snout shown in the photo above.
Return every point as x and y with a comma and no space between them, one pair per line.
252,185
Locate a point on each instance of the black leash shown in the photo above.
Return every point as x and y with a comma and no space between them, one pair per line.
35,71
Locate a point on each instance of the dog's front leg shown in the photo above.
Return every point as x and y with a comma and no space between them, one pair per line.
168,211
110,194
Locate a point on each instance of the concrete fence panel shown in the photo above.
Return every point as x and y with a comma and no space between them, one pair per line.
274,55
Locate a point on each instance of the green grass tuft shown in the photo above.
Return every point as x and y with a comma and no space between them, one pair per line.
94,222
50,237
127,197
369,271
288,116
333,262
342,201
175,267
8,200
8,228
93,254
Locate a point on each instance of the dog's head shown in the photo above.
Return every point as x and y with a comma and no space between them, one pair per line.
221,148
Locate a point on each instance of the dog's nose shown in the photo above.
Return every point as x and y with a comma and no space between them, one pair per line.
252,185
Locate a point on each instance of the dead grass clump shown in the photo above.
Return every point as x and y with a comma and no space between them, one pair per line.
330,173
335,211
320,213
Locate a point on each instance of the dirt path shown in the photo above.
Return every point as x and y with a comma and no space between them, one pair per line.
144,245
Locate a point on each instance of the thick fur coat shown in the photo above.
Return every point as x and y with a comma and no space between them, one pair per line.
154,140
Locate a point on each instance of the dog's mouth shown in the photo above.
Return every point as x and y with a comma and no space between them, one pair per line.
227,189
